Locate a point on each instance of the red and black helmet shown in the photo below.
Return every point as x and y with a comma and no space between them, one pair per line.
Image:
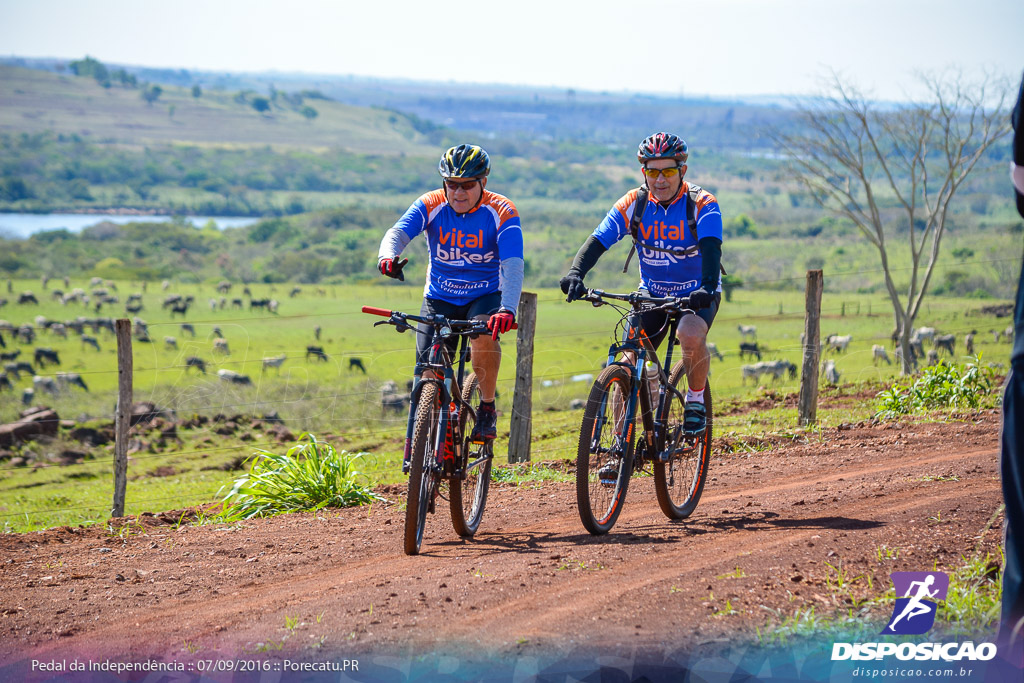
662,146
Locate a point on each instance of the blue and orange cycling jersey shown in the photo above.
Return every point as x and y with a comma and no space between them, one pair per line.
466,250
665,274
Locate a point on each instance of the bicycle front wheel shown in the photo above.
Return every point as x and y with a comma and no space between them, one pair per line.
680,476
604,459
423,477
468,496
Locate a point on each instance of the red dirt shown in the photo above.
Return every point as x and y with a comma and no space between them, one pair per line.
767,528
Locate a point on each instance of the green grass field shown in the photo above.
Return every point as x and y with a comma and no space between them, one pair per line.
331,399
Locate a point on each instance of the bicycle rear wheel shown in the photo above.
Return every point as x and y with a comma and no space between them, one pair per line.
423,477
605,441
679,481
468,496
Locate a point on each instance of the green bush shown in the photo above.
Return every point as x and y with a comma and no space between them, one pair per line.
944,385
310,476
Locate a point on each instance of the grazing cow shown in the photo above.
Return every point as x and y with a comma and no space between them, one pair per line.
272,306
27,396
316,332
181,308
133,307
171,343
10,355
27,298
923,333
233,377
5,383
395,402
751,349
45,356
914,355
187,327
91,341
223,287
933,357
247,292
216,332
356,363
878,354
59,330
1008,334
236,303
748,331
220,345
831,372
995,336
195,362
213,304
170,300
969,342
751,372
66,380
317,352
295,292
47,384
26,334
713,350
947,342
838,343
274,362
258,303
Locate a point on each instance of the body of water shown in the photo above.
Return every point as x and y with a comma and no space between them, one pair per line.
20,225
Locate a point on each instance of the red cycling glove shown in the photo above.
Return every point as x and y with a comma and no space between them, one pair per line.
392,268
501,322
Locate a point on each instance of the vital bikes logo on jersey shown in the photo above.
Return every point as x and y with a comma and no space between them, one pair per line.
914,614
454,245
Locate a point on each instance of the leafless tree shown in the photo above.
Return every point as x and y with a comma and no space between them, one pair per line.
872,163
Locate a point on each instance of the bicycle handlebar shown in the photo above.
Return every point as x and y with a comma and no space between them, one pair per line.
636,299
457,326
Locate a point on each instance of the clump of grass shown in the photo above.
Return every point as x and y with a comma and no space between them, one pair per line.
310,476
944,385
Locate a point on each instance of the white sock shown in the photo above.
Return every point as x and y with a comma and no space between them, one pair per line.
694,396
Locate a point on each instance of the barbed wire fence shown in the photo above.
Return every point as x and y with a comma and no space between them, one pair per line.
370,395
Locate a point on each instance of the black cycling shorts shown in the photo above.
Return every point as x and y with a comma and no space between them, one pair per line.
656,323
482,307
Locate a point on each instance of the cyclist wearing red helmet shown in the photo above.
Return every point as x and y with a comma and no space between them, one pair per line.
679,242
475,271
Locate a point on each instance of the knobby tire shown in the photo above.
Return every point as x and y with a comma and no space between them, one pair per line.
469,496
679,482
599,505
423,440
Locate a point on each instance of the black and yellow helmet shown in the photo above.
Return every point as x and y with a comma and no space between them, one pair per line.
464,161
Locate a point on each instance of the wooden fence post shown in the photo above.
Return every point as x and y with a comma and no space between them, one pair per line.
808,402
122,421
521,428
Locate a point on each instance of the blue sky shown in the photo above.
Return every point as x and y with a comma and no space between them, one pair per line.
713,47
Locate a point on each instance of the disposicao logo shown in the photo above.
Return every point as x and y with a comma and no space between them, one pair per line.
914,613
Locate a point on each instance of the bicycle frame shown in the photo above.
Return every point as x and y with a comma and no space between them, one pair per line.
449,384
636,341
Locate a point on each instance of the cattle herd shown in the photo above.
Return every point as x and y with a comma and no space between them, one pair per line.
39,369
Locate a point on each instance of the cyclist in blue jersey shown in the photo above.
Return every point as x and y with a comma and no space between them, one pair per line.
679,244
475,271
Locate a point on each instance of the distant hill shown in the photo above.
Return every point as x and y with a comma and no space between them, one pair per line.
496,111
36,101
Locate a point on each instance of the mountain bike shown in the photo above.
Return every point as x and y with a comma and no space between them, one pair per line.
608,456
439,457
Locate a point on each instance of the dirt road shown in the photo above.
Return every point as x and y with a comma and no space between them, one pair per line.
772,528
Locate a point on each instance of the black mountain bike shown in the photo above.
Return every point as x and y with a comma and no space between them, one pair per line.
439,458
608,455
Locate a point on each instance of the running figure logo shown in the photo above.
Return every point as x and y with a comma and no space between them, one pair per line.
914,613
